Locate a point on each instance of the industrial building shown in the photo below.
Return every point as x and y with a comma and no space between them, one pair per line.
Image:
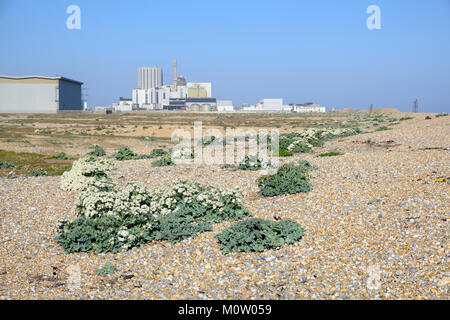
225,106
150,77
39,94
265,105
307,107
152,94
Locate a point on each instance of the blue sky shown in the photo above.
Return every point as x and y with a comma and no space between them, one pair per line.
319,51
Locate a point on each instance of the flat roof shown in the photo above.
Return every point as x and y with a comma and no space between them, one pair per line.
40,77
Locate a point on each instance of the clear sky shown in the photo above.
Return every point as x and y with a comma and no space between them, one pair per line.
303,51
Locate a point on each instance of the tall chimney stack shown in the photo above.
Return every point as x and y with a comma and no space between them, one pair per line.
175,75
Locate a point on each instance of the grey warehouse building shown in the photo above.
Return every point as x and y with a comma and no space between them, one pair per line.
38,94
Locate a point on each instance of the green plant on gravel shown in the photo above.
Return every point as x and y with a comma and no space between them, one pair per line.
113,220
163,162
254,162
289,179
283,153
60,156
106,270
97,151
383,128
441,115
6,165
257,235
38,173
124,154
157,153
330,154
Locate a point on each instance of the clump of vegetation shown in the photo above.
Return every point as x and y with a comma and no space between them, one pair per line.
97,151
254,162
163,162
124,154
257,235
441,115
26,162
283,153
60,156
289,179
86,171
106,270
38,173
157,153
383,128
6,165
113,220
406,118
330,154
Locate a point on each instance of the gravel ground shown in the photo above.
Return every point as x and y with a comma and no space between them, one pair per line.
381,206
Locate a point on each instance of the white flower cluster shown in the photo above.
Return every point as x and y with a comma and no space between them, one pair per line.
305,136
254,161
101,198
182,152
84,172
168,199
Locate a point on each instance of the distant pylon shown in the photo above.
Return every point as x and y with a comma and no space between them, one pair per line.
416,106
371,108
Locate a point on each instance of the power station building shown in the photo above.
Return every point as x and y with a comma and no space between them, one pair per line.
150,77
38,94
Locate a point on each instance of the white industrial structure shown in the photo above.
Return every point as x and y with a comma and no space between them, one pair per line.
39,94
225,106
150,77
266,105
307,108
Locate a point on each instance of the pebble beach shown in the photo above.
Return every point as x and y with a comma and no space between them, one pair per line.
376,227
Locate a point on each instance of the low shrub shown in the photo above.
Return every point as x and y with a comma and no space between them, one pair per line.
97,151
157,153
6,165
163,162
38,173
383,128
306,166
186,222
257,235
254,162
283,153
60,156
441,115
124,154
330,154
289,179
301,148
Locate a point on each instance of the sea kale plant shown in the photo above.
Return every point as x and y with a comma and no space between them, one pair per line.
108,220
84,172
163,162
254,162
289,179
113,220
257,235
218,205
97,151
305,140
